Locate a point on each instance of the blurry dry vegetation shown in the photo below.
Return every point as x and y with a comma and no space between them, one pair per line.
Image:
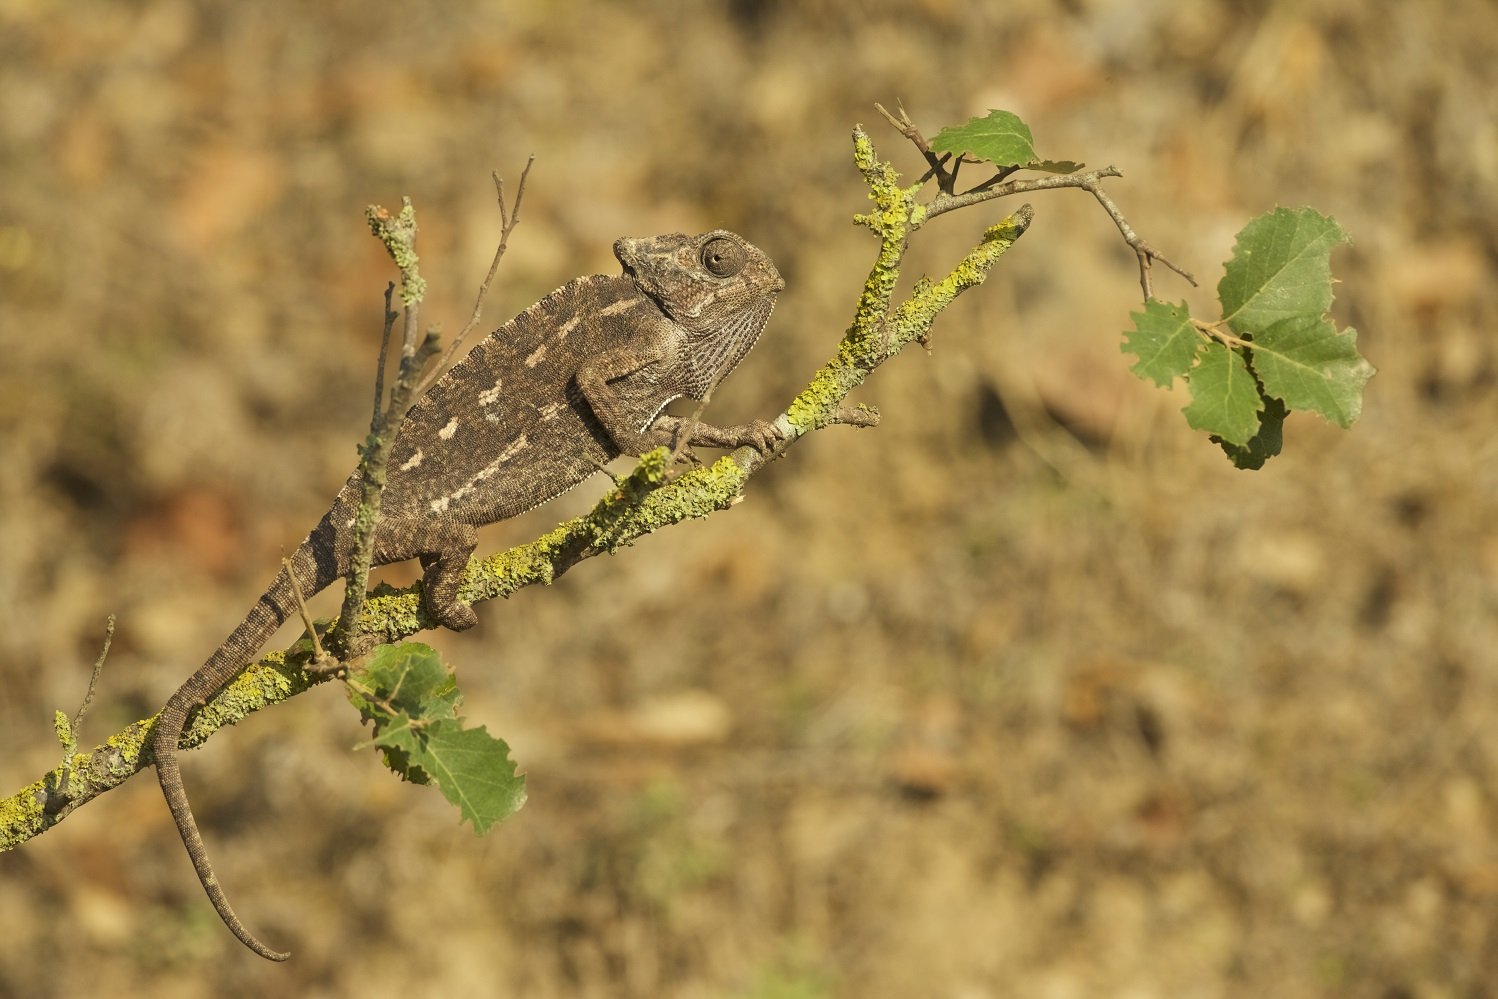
1027,692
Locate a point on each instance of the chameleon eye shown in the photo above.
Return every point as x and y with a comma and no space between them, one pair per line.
722,257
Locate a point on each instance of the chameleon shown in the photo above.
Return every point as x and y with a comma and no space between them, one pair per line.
579,378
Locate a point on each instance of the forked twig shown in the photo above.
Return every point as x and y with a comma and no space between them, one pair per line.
509,218
945,180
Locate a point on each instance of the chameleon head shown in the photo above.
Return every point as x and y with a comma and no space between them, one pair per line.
702,282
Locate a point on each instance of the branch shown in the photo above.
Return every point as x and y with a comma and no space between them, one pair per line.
646,501
398,234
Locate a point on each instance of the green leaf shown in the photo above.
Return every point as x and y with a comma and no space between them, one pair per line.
1164,340
412,700
1053,166
1001,138
411,677
406,682
1225,399
1281,267
472,768
1263,445
1307,362
389,740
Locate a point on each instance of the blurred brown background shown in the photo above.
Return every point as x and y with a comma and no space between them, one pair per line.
1027,692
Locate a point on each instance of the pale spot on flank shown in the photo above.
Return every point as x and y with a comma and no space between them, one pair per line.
519,444
516,446
412,461
568,327
446,433
490,394
441,505
551,409
535,357
623,305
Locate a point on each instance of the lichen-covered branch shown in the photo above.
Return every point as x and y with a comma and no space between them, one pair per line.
878,333
651,498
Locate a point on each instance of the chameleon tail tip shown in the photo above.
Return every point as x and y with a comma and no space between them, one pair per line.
249,940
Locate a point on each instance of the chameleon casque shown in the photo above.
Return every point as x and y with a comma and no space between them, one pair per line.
579,378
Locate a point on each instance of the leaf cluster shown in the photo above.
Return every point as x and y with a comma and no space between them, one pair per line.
1273,349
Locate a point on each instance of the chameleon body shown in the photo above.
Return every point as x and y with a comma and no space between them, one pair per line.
579,378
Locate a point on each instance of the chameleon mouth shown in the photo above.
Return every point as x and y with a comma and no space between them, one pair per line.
624,253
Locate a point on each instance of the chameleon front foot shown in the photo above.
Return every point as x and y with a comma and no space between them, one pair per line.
455,616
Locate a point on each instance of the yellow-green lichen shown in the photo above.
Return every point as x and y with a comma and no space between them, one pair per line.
21,814
398,234
892,219
815,404
916,315
128,745
617,524
62,727
696,494
863,150
391,614
259,685
502,574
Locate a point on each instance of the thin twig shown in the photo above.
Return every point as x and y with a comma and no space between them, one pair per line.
321,661
861,415
946,201
999,176
931,171
1220,332
69,733
508,220
373,455
390,317
1091,182
941,204
679,443
93,680
399,236
1143,250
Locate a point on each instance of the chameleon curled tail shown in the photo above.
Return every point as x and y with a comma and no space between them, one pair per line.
321,559
226,663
